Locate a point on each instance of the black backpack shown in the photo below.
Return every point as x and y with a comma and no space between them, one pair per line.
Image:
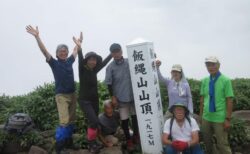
19,123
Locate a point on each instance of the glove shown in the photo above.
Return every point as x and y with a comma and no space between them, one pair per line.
175,144
180,145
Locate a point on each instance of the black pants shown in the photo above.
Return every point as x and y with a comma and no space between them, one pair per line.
91,110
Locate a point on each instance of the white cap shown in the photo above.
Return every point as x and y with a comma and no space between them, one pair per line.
211,59
177,67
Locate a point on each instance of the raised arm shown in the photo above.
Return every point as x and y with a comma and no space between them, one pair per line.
104,62
35,33
161,78
78,43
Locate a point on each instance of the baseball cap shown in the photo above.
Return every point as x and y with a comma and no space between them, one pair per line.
212,59
115,46
176,67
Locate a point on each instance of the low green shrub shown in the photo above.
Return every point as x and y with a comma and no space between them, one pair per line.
237,134
25,141
41,106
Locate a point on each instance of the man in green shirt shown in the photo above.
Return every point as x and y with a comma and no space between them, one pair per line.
216,105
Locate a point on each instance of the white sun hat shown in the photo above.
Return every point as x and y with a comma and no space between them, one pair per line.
212,59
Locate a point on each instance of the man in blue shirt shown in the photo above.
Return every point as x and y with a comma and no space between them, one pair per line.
64,87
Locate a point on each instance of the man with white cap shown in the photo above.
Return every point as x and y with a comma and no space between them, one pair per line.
216,105
178,87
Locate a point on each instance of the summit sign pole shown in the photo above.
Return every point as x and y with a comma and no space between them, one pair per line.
147,96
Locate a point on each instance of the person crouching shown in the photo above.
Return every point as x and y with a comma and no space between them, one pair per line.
180,133
110,132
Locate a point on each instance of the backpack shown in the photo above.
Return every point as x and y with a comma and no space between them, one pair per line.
19,123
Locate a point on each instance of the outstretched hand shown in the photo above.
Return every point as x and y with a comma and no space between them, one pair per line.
81,37
78,41
158,63
32,31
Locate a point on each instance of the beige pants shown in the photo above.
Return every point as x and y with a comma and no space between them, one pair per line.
221,145
66,106
126,109
111,139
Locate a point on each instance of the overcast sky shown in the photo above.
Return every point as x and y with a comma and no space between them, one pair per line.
183,31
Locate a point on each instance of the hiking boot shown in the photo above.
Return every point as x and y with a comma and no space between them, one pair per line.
60,145
99,145
94,147
136,139
130,145
69,144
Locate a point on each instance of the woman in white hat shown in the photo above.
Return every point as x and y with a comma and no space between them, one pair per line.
177,86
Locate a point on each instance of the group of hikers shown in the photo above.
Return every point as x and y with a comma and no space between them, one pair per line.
180,131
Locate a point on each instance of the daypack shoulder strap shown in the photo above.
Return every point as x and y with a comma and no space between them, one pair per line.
170,131
188,119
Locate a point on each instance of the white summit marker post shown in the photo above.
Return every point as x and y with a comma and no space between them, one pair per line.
147,96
